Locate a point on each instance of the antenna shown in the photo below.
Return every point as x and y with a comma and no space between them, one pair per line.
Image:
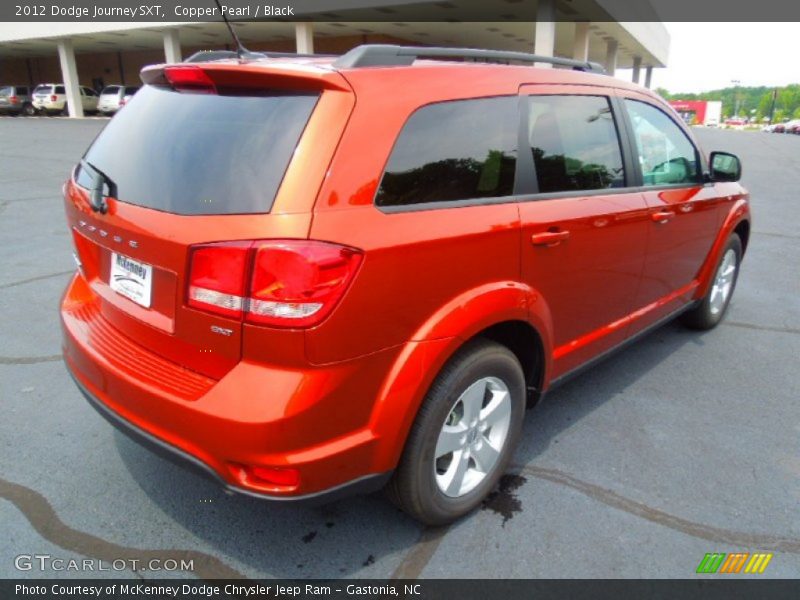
241,51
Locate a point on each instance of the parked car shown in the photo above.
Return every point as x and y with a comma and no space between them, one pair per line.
735,122
779,128
51,98
360,280
114,97
15,100
792,127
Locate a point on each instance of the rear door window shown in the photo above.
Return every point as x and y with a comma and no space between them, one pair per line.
574,143
458,150
200,154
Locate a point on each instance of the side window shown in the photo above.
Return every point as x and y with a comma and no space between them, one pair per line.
456,150
665,153
574,143
60,90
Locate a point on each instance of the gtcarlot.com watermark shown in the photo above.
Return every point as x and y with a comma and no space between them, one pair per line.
47,562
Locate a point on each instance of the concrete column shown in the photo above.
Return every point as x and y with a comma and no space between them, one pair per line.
580,49
611,57
172,46
648,76
637,68
304,37
69,74
544,44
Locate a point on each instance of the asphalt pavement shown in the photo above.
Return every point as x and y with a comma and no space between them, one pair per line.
684,443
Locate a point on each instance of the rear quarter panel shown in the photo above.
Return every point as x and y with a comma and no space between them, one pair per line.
419,261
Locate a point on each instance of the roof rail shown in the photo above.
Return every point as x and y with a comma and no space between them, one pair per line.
386,55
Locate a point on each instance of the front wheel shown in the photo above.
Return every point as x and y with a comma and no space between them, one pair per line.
713,306
464,435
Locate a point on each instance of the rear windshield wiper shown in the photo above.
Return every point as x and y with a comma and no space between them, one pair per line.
100,180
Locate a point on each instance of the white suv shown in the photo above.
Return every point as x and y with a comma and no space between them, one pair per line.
52,98
114,97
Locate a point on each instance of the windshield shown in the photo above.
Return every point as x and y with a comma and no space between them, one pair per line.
200,154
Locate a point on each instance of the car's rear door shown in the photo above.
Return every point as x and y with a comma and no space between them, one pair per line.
584,227
684,212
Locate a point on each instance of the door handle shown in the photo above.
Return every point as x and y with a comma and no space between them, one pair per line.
662,216
549,238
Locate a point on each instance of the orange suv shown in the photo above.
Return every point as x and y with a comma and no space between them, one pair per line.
315,276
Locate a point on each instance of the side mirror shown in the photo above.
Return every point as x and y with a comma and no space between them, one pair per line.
725,167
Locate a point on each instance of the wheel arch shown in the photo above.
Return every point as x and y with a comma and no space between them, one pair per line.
736,221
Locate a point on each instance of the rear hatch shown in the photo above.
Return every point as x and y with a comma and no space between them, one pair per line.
209,154
6,92
42,92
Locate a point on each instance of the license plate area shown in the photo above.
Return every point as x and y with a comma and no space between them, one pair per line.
132,279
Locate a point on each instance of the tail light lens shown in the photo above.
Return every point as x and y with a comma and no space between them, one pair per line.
13,99
53,98
281,283
218,278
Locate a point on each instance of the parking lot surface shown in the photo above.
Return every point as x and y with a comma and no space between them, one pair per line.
684,443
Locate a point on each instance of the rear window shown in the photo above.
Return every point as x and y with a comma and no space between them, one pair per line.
6,91
198,154
111,90
42,89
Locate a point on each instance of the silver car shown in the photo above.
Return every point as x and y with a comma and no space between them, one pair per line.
16,99
114,97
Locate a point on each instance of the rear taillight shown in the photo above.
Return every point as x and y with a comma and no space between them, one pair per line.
218,278
190,79
53,98
281,283
13,99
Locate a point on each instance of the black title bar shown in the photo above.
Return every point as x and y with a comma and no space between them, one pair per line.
395,10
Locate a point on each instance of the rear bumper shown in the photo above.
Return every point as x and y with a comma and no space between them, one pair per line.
256,415
362,485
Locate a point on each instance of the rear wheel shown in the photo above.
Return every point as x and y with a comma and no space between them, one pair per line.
464,435
712,308
28,109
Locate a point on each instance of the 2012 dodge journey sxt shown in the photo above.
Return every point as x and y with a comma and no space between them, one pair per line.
313,276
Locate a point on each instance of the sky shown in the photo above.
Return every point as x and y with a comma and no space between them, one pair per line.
707,56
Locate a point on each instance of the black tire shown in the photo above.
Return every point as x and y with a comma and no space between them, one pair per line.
704,316
28,110
413,486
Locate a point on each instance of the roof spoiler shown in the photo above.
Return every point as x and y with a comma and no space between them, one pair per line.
214,55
